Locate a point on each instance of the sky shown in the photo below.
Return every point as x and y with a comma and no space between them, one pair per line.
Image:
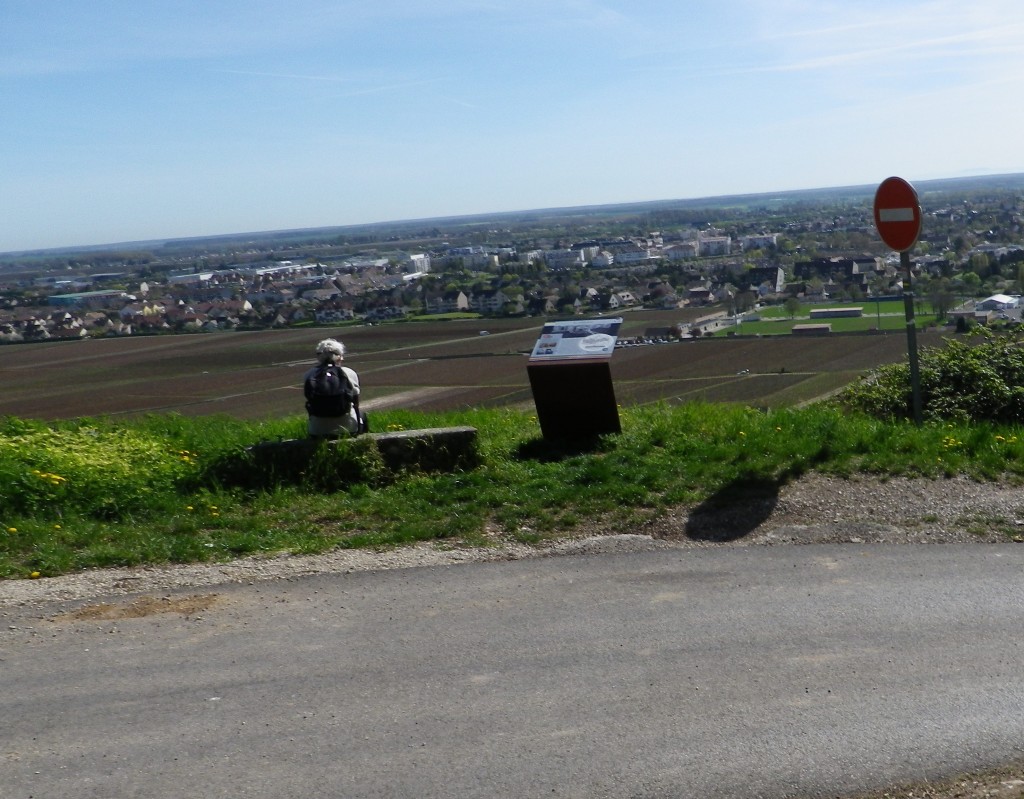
144,119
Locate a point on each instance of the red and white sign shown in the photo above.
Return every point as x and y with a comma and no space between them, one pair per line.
897,214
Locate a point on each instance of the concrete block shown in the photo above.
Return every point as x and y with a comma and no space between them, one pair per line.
435,449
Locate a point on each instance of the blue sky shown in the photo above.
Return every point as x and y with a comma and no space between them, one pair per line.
126,121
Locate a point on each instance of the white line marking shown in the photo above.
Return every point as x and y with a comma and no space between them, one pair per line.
895,214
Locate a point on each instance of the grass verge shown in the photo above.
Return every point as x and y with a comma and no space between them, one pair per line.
96,493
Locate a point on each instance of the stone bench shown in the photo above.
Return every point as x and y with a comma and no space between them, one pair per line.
432,449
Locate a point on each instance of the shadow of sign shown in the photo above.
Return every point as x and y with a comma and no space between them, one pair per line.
735,510
559,449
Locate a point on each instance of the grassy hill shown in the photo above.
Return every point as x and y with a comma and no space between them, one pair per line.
172,489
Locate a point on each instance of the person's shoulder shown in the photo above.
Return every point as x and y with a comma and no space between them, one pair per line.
351,375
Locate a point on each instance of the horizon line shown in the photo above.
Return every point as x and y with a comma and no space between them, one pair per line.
71,248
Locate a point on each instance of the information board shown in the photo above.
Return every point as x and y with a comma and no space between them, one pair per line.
592,339
571,380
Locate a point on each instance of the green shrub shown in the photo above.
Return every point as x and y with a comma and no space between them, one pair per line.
960,382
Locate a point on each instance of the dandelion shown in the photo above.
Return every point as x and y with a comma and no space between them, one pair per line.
35,575
742,433
189,507
12,529
56,527
52,479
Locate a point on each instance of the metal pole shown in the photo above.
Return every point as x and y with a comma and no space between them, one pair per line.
908,305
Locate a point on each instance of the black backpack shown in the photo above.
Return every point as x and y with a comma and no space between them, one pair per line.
329,392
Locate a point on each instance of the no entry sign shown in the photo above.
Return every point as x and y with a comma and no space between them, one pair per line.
897,214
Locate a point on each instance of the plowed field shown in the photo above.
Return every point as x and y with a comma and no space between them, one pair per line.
428,366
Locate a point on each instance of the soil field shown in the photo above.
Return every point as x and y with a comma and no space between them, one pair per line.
424,365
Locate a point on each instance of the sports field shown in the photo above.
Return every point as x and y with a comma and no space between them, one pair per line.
432,366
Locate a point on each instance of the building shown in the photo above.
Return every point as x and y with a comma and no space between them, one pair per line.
682,251
449,302
86,298
836,313
812,330
762,241
415,262
563,259
714,245
772,277
999,302
488,301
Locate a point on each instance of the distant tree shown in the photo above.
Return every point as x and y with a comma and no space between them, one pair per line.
745,301
792,306
941,297
971,281
980,265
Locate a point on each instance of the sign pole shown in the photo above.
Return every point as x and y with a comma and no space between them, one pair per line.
908,307
897,214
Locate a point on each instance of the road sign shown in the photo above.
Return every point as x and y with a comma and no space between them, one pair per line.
898,219
897,214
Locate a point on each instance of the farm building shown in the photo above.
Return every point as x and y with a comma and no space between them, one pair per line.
972,315
812,330
836,313
999,302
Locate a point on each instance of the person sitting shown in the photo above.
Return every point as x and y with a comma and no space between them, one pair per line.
332,394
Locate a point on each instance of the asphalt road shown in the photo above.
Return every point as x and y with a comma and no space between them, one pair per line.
771,672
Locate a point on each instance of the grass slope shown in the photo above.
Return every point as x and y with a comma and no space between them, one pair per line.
169,488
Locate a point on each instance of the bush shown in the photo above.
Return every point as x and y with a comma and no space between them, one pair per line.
961,382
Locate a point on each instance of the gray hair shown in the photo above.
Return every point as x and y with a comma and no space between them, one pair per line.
330,350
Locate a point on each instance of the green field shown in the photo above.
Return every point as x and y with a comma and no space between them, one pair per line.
889,315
